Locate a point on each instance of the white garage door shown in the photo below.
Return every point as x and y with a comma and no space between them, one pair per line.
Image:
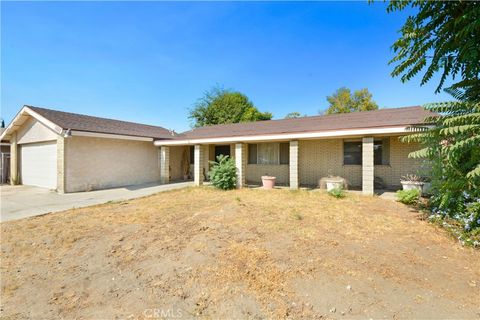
39,164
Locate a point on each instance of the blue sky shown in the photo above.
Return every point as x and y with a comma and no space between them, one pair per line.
149,62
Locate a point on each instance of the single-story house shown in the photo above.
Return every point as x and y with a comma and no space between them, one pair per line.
72,152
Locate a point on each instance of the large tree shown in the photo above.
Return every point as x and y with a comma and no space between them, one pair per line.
343,101
220,106
442,37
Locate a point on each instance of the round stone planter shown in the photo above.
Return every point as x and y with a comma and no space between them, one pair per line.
334,184
268,182
409,185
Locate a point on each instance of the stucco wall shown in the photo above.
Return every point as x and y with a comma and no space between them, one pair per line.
34,131
98,163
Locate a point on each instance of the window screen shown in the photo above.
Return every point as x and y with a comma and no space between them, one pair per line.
352,152
284,153
252,154
381,152
267,153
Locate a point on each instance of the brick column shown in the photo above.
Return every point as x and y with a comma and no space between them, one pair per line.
14,176
240,163
164,164
198,163
367,166
61,144
293,164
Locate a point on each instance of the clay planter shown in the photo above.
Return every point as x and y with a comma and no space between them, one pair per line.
268,182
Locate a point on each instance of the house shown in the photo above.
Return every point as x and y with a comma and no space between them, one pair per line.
71,152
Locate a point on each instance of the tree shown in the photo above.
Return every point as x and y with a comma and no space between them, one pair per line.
220,106
451,145
294,114
444,36
342,101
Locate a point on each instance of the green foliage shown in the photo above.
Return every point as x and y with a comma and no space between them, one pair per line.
443,36
408,196
293,115
452,147
223,173
337,193
220,106
342,101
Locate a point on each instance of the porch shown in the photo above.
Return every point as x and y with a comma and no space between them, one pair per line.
366,163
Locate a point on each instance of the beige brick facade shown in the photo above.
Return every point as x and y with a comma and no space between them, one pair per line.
98,163
319,158
293,164
14,174
367,165
61,164
199,164
240,163
164,164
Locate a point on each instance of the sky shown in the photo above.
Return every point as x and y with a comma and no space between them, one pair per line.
149,62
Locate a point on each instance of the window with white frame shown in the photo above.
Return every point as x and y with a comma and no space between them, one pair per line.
268,153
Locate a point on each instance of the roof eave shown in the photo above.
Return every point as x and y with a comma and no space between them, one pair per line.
20,119
290,136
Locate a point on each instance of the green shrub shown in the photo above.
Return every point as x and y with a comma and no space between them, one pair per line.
223,173
337,193
408,196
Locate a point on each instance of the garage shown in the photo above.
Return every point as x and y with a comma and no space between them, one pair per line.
38,164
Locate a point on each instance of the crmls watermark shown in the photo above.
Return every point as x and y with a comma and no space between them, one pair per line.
159,313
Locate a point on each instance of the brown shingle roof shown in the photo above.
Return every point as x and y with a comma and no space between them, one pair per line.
81,122
355,120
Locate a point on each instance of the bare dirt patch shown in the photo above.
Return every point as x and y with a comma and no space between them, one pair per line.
204,253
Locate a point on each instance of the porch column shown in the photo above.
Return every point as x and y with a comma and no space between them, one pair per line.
14,177
293,164
240,163
198,163
367,166
164,164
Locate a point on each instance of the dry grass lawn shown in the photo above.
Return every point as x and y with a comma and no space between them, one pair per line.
204,253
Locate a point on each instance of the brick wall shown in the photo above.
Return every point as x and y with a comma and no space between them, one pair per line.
319,158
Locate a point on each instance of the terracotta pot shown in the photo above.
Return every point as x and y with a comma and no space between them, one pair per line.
268,182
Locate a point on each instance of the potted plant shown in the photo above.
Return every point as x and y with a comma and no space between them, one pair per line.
268,182
412,181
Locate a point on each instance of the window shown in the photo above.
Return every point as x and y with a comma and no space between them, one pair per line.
284,153
352,152
381,152
252,154
225,150
192,154
268,153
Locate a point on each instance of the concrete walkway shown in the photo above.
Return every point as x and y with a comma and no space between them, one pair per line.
19,202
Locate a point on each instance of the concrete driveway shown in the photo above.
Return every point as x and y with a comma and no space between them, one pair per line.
19,202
